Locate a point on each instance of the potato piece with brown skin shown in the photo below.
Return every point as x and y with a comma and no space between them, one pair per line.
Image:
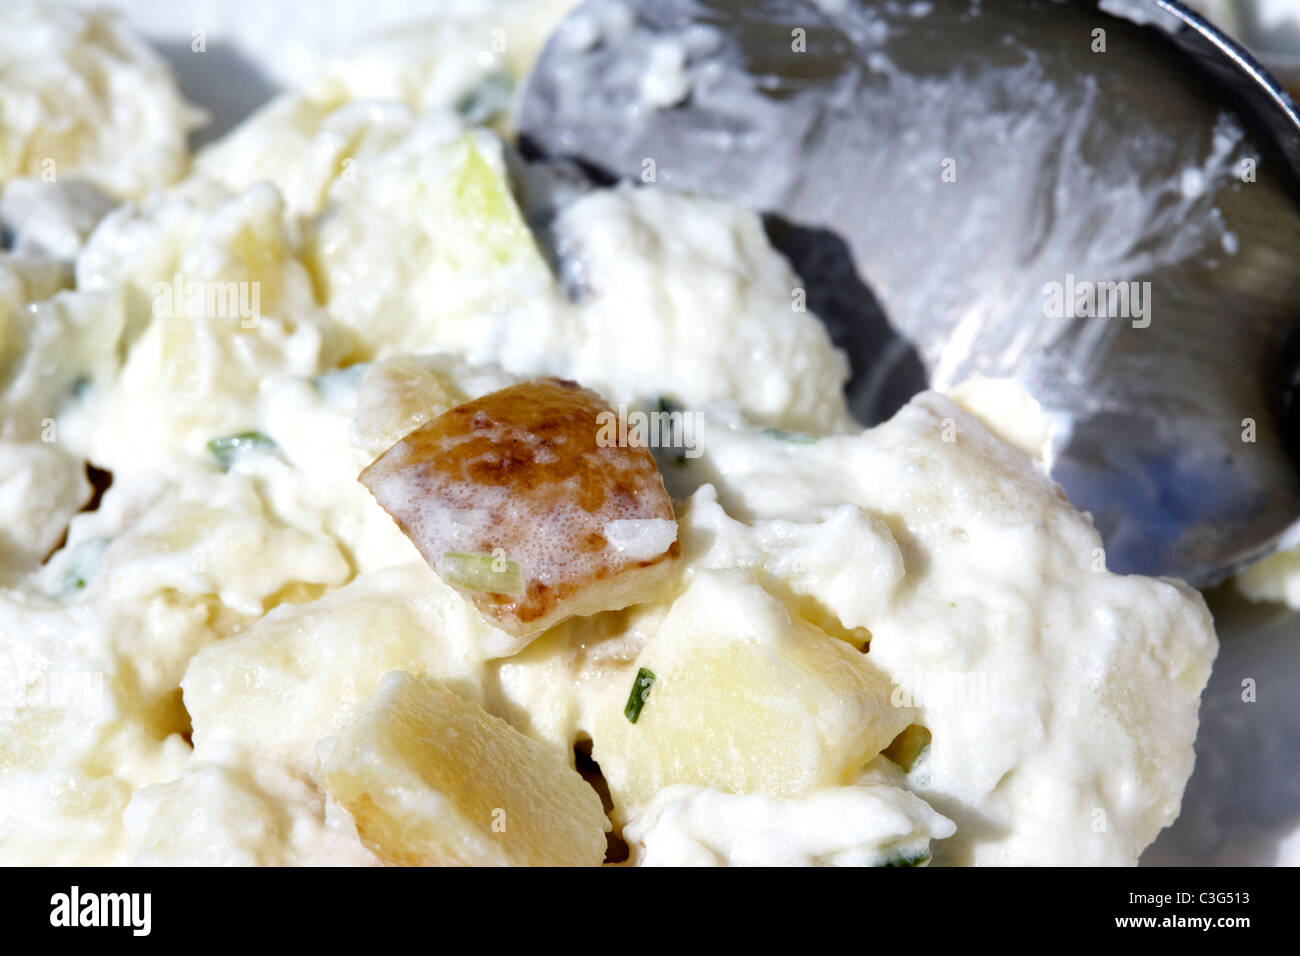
514,500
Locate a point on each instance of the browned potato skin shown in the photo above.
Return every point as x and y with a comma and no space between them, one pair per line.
494,442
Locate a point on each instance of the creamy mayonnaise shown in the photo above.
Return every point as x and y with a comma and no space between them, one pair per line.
254,329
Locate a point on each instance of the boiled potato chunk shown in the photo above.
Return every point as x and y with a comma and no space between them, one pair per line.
745,699
304,671
454,260
398,396
433,779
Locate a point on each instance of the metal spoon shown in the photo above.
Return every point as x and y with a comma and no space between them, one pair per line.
943,175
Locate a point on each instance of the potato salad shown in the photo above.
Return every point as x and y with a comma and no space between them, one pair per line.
371,496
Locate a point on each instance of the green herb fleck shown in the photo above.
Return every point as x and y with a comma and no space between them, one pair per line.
80,388
82,564
645,679
491,573
227,449
488,100
794,438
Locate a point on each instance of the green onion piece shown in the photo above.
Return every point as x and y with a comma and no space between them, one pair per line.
918,859
82,564
794,438
482,572
645,679
227,449
79,388
909,747
487,101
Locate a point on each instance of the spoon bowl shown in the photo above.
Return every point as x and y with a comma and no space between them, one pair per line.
1104,207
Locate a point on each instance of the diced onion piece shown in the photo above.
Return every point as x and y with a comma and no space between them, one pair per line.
482,572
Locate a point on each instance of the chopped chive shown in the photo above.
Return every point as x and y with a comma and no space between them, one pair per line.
226,450
794,438
482,572
645,679
76,392
918,859
83,563
486,101
79,388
